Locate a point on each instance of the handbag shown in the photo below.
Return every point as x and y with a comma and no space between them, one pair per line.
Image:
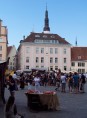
18,116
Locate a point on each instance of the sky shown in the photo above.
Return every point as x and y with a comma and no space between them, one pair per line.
67,18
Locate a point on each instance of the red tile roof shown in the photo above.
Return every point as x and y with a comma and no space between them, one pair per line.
8,50
78,53
45,36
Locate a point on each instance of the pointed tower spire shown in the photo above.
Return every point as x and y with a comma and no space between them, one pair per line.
76,41
46,28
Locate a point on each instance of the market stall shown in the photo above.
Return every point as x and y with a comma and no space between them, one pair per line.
42,101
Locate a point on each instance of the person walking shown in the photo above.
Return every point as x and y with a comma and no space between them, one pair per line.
11,84
10,109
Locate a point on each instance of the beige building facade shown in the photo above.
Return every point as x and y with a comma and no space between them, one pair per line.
3,42
11,54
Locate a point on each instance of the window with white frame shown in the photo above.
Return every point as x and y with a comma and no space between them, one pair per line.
51,50
56,67
42,59
42,66
0,48
27,49
56,50
51,59
27,59
37,59
65,68
83,64
73,64
51,67
56,41
27,67
0,57
56,60
37,50
64,60
64,51
80,64
81,70
42,50
53,41
37,66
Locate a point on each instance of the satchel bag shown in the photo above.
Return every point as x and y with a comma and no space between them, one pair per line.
19,116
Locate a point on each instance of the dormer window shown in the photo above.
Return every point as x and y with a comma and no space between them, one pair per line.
44,36
37,35
52,36
79,57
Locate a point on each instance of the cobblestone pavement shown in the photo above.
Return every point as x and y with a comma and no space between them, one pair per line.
71,105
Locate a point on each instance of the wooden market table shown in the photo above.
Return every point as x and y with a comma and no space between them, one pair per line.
42,101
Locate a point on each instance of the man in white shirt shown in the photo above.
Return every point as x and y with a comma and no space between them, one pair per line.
14,75
63,82
37,83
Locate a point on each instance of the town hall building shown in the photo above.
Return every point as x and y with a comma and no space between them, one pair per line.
44,50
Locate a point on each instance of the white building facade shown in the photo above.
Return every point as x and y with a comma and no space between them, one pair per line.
79,59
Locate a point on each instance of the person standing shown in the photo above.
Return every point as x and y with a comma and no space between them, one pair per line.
22,81
16,79
82,83
70,82
63,82
76,82
37,83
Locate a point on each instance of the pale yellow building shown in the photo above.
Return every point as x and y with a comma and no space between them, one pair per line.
3,42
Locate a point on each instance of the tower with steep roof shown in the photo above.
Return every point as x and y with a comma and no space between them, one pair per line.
46,28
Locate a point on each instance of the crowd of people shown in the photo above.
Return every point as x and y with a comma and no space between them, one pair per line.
74,81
